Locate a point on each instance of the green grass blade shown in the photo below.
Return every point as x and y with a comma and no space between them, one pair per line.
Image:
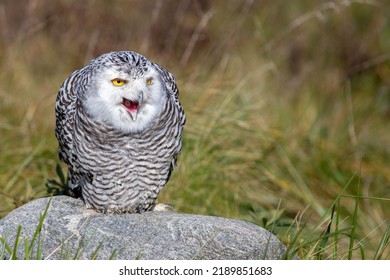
96,252
336,231
325,237
113,255
39,248
383,244
78,249
293,249
83,245
16,244
5,246
26,250
274,219
62,250
60,174
354,223
39,227
362,251
22,167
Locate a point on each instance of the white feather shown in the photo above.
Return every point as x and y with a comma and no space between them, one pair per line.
104,100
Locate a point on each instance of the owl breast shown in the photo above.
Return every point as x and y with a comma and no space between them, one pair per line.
125,172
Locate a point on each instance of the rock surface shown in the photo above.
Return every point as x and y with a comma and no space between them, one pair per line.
70,230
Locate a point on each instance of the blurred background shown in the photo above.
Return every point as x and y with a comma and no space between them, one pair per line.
287,104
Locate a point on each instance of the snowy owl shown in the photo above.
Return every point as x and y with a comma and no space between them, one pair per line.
119,125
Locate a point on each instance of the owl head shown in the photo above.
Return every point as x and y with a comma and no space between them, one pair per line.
125,91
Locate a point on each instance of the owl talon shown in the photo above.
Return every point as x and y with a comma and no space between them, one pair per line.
162,207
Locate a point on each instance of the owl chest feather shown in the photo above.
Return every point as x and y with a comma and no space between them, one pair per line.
126,158
126,172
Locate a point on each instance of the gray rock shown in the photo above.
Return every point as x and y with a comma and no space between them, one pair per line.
71,231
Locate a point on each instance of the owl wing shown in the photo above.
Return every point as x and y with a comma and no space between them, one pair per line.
169,80
170,83
65,110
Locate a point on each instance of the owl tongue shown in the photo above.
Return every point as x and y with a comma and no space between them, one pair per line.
131,107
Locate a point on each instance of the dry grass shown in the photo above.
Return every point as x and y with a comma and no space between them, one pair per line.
288,108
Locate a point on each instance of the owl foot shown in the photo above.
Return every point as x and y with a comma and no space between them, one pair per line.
162,207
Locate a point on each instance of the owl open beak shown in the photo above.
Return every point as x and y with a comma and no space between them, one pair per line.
131,107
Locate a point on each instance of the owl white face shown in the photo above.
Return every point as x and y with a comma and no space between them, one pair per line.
127,103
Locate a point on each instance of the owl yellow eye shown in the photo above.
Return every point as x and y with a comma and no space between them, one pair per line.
118,82
149,81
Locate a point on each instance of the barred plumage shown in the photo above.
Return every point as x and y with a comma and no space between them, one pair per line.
119,126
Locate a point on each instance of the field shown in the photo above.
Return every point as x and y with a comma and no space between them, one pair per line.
287,104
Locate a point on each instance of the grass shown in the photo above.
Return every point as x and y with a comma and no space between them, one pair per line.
287,109
30,252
